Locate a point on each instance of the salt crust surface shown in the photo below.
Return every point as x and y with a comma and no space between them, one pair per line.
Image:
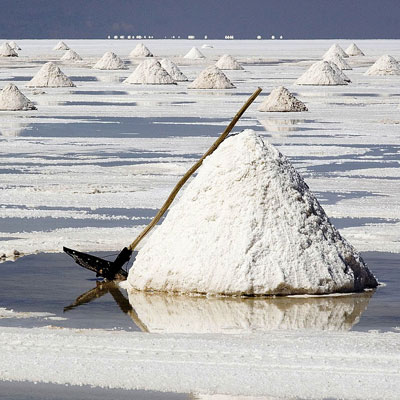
71,55
336,49
385,65
280,99
140,51
14,45
321,73
12,99
7,51
226,61
211,78
110,60
150,72
248,224
194,54
354,50
173,70
50,75
338,60
61,46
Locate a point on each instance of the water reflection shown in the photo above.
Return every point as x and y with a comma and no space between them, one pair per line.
281,125
13,128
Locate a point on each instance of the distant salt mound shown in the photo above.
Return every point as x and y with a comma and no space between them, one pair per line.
71,55
211,78
7,51
248,224
194,54
12,99
339,61
281,100
110,61
336,49
61,46
354,50
140,51
385,65
207,46
150,72
14,45
173,70
50,76
321,73
228,62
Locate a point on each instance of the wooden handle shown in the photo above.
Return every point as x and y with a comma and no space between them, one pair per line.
192,170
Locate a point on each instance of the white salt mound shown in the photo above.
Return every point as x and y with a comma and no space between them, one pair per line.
248,224
13,100
50,76
14,45
194,54
354,50
71,55
322,73
61,46
207,46
211,78
228,62
173,70
150,72
110,61
7,51
280,99
385,65
339,61
140,51
336,49
339,72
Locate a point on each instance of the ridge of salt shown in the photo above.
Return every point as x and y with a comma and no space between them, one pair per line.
173,70
12,99
338,60
194,54
71,55
61,46
50,76
322,73
140,51
226,61
14,45
150,72
280,99
248,224
211,78
385,65
336,49
109,60
354,50
7,51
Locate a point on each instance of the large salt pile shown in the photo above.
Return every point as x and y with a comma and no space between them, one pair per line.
338,60
109,61
354,50
12,99
14,45
248,224
336,49
61,46
50,76
173,70
194,54
211,78
321,73
227,62
280,99
385,65
71,55
150,72
7,51
140,51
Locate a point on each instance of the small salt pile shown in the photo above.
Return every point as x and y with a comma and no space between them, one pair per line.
385,65
211,78
173,70
110,61
13,100
50,76
7,51
280,99
140,51
321,73
336,49
338,60
354,50
228,62
14,45
248,224
150,72
194,54
61,46
71,55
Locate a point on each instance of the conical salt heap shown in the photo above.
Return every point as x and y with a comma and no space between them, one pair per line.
338,60
194,54
336,49
71,55
7,51
140,51
211,78
339,72
280,99
14,45
61,46
248,224
385,65
50,76
228,62
354,50
321,73
13,100
110,61
173,70
150,72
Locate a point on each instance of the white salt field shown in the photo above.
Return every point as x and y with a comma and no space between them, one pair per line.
91,166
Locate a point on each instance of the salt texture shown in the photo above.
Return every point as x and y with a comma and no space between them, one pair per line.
150,72
7,51
354,50
321,73
385,65
194,54
227,62
336,49
50,76
339,72
248,224
211,78
110,61
173,70
12,99
14,45
140,51
61,46
338,60
71,55
280,99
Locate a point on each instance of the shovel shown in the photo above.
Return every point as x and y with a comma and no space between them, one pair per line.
112,270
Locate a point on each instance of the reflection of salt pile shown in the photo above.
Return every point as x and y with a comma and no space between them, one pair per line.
14,45
150,72
321,73
13,127
12,99
336,49
140,51
50,76
71,55
385,65
281,125
7,51
61,46
338,60
354,50
211,78
248,224
280,99
173,70
194,54
109,61
228,62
